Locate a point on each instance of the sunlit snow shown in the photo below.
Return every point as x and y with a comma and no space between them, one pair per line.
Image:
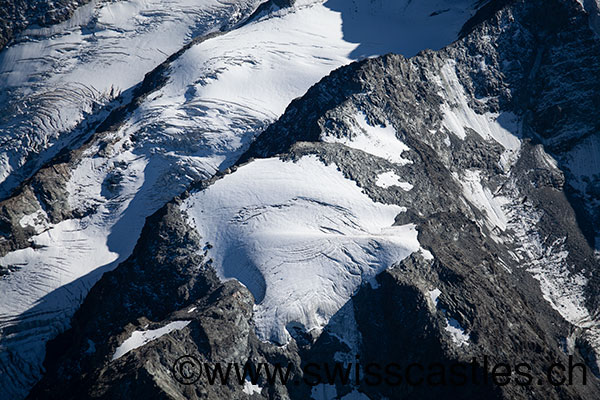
140,338
380,141
389,179
458,115
220,94
300,236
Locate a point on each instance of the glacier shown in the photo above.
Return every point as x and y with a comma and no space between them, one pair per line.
218,96
300,236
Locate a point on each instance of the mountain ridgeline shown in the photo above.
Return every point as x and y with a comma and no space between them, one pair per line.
497,176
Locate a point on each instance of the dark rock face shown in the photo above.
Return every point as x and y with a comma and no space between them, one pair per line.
16,15
538,61
166,279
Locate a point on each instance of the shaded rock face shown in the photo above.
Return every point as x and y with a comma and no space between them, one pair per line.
166,279
16,15
508,228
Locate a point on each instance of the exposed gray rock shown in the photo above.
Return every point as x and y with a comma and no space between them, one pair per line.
537,60
16,15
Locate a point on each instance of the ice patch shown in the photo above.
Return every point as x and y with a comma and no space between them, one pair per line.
140,338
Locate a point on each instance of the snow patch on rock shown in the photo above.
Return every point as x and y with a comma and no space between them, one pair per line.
250,388
380,141
458,115
453,327
38,221
481,197
141,338
457,333
389,179
434,295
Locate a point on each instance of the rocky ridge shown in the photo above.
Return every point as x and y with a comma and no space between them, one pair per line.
512,259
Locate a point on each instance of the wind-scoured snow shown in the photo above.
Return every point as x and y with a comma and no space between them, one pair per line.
504,129
563,289
140,338
482,197
300,236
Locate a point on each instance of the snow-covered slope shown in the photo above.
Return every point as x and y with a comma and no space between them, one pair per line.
219,94
53,79
444,145
300,236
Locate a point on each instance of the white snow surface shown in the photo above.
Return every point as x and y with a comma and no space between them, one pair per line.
38,220
250,388
52,79
380,141
434,295
479,195
141,338
458,115
389,179
300,236
426,254
66,72
219,95
457,333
